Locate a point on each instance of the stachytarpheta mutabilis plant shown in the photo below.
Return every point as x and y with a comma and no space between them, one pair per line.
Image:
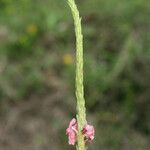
79,131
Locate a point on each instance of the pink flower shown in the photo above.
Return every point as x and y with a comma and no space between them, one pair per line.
88,132
71,131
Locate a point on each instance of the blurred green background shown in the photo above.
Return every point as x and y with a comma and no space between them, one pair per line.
37,71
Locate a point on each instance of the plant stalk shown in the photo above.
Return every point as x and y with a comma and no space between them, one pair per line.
81,110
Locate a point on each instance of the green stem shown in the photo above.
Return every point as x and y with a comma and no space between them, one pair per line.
81,110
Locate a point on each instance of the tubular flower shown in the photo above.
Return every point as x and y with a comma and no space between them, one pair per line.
88,132
71,131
